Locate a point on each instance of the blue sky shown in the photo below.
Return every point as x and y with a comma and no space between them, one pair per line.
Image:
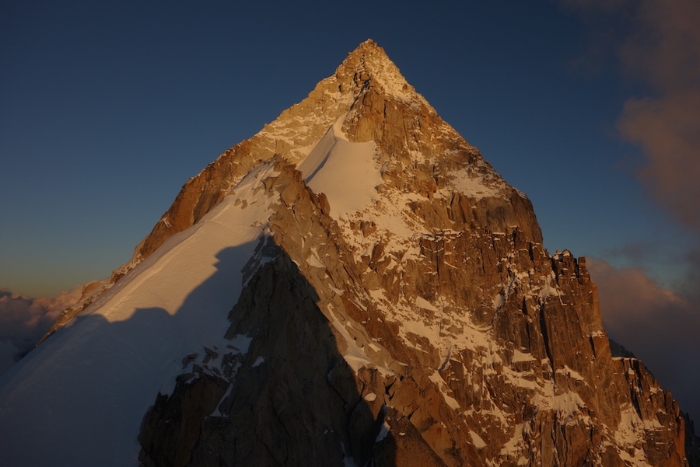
107,108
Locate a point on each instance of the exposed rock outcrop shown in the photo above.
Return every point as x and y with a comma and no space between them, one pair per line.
512,369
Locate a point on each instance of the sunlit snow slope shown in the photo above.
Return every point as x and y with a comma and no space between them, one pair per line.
91,383
344,171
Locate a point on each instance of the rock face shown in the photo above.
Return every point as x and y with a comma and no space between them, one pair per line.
427,326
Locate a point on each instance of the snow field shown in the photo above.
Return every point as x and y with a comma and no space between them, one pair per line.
91,383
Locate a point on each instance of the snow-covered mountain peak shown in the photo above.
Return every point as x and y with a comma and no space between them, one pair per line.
365,74
367,100
354,284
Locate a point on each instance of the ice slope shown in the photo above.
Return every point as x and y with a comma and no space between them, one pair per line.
345,172
78,399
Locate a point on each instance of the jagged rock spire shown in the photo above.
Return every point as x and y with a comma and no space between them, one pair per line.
369,65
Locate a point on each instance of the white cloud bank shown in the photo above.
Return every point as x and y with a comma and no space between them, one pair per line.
24,320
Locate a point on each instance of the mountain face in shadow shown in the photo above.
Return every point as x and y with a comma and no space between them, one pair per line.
291,400
354,285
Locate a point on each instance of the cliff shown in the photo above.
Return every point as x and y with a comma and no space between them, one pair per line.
478,346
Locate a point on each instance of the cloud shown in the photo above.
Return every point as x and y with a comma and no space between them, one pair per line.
24,320
664,48
659,326
656,43
663,52
668,130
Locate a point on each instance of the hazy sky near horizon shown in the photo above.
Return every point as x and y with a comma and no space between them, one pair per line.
107,108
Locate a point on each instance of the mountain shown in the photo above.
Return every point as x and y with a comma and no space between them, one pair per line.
354,285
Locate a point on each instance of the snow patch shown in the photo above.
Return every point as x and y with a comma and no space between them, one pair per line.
476,440
570,373
473,185
498,301
515,444
345,172
383,431
519,356
258,361
425,304
444,390
354,355
566,404
217,412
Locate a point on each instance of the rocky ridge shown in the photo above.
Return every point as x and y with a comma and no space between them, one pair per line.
296,131
463,341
